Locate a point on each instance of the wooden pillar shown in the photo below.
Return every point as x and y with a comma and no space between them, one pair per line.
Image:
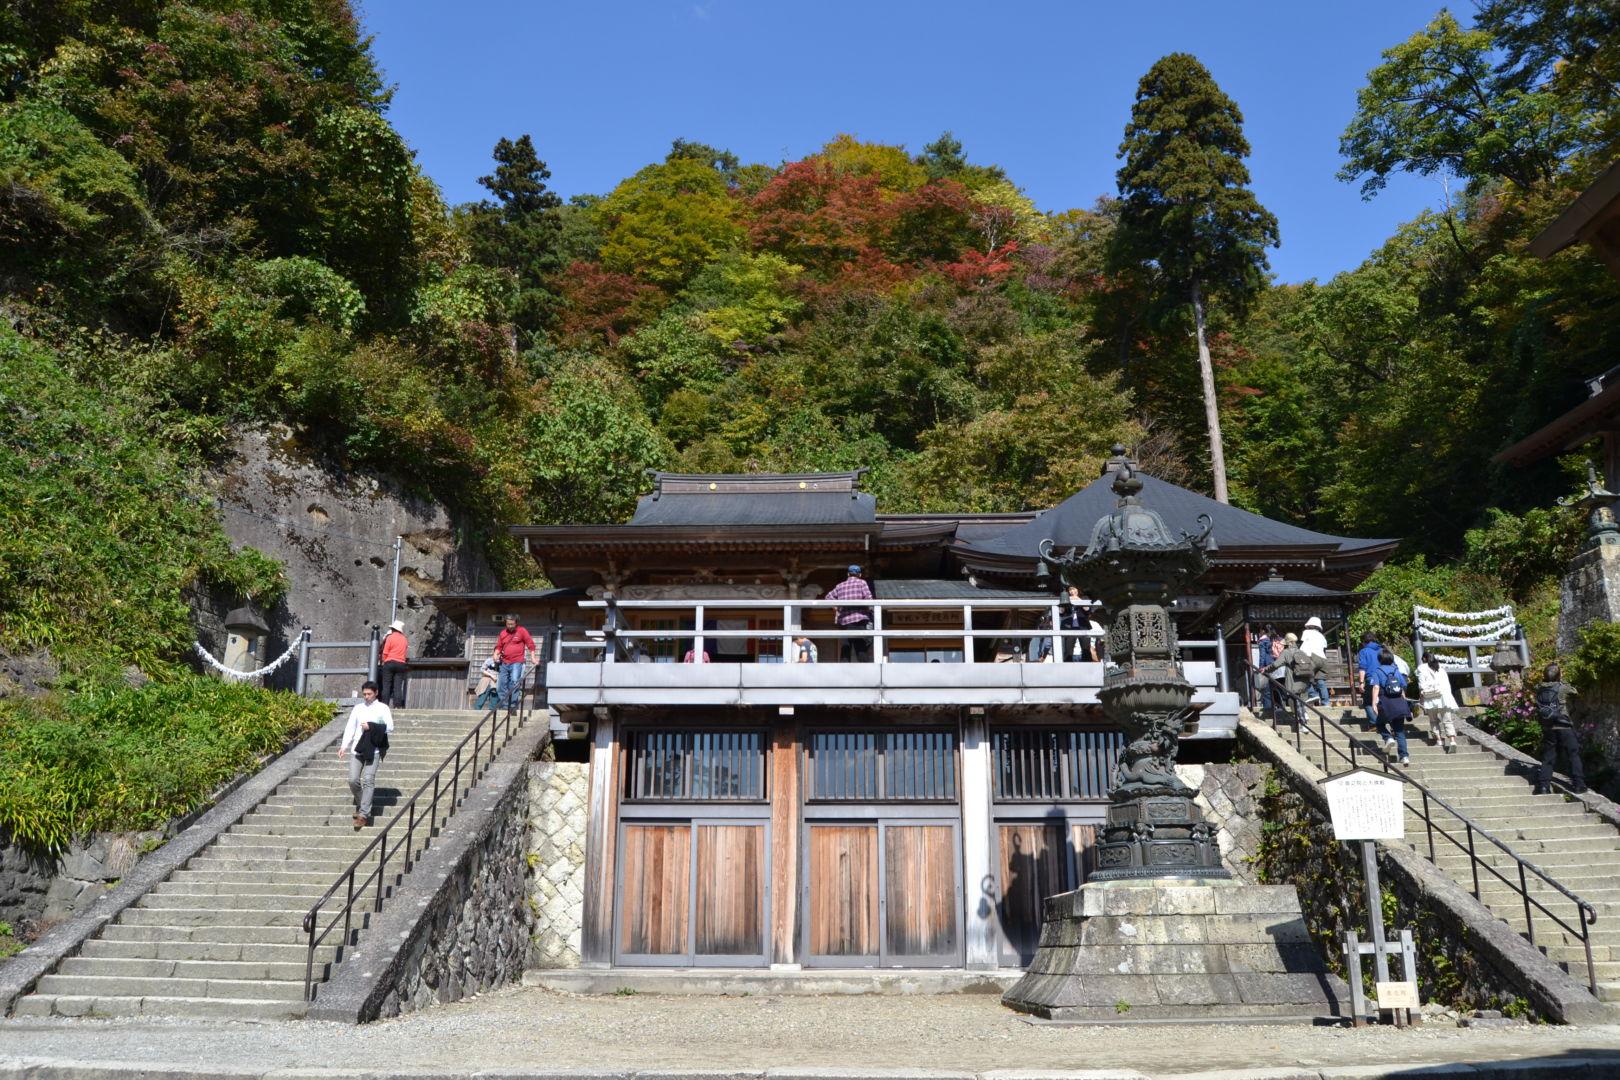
981,888
784,950
596,938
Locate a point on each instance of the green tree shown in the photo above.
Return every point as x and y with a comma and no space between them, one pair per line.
521,231
665,222
1186,208
1441,102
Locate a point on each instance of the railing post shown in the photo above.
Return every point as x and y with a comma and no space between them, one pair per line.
697,635
967,634
303,661
1473,859
1428,822
1586,942
877,632
790,655
371,654
1524,891
382,866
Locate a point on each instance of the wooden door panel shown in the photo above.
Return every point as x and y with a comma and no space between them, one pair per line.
1084,838
730,890
657,867
1034,865
843,885
920,896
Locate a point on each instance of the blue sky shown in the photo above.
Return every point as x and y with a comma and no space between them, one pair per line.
1041,88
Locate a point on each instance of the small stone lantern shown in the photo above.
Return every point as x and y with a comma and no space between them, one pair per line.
245,628
1507,663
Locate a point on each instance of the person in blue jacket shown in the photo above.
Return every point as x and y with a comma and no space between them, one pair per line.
1391,705
1366,663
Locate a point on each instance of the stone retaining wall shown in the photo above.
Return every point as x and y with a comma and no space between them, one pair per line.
559,793
1229,796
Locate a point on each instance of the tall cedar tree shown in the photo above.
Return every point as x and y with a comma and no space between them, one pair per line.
1185,206
520,232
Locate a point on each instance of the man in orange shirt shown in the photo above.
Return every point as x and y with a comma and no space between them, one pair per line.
513,649
391,675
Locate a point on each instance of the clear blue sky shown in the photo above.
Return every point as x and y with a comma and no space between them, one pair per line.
1042,89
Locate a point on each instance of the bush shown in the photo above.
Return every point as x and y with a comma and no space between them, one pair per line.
125,759
1415,582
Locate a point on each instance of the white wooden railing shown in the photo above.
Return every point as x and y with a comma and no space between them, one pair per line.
608,642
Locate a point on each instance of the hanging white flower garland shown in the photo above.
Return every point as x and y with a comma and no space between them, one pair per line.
1437,624
232,673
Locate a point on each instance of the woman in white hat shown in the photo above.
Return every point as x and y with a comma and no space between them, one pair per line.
1314,643
391,674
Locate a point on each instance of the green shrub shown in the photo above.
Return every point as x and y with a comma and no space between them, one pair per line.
125,759
102,526
1403,584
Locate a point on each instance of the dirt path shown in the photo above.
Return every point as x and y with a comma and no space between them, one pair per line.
539,1029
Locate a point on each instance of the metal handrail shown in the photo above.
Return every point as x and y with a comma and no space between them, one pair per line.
413,851
1586,913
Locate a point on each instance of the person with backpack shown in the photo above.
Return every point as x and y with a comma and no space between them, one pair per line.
1314,642
1262,652
1434,694
1557,731
1390,705
1366,665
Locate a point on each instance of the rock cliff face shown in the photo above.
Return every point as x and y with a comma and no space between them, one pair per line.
334,530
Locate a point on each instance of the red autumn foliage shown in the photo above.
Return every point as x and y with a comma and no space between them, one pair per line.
600,303
818,217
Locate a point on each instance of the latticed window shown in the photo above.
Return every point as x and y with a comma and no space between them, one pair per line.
890,766
1054,765
696,766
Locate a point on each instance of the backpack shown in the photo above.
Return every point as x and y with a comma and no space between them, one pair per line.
1391,684
1550,708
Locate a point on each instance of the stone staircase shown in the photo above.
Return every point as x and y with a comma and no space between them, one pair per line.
222,936
1576,848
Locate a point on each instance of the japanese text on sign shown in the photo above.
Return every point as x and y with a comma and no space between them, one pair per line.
1366,806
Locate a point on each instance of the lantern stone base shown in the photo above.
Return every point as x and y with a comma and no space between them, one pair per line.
1177,950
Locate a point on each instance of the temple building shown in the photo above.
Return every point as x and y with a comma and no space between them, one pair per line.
780,778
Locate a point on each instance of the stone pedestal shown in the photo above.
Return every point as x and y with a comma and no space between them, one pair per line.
1590,591
1177,950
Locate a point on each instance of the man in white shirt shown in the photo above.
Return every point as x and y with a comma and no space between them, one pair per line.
1314,643
366,739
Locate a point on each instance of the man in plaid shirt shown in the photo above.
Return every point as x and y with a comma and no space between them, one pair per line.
857,649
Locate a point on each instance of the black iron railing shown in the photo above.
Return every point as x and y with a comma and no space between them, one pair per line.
1428,807
414,825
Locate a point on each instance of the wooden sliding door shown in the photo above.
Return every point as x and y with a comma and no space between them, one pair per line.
692,893
882,893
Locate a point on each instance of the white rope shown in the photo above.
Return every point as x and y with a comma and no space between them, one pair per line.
1484,632
232,673
1463,616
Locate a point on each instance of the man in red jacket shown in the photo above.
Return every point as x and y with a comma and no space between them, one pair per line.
513,649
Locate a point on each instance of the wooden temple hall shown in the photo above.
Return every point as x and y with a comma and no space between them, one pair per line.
902,792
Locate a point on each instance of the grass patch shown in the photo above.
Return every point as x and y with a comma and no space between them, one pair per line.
126,759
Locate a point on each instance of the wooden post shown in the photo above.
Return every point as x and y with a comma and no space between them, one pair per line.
596,938
980,886
1375,909
784,842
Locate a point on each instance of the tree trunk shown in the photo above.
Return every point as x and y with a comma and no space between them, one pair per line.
1212,413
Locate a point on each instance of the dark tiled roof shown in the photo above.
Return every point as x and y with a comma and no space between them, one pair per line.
519,594
1070,523
762,499
935,589
1282,588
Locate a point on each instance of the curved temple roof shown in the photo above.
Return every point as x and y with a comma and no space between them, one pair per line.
1235,534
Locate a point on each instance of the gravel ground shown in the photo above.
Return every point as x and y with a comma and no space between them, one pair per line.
535,1028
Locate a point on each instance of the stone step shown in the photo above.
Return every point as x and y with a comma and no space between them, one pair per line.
260,952
206,970
327,867
226,892
236,932
1594,851
273,880
289,916
41,1004
264,847
114,986
324,825
218,904
1574,954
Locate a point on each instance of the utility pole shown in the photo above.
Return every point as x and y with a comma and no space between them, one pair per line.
393,600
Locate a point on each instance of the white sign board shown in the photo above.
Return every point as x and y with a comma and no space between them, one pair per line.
1398,995
1366,806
